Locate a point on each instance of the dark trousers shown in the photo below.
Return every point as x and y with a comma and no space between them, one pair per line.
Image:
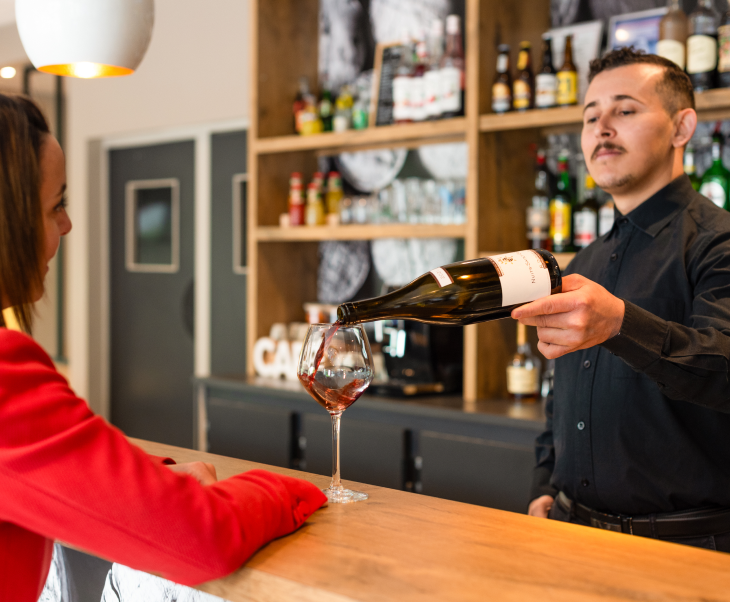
719,541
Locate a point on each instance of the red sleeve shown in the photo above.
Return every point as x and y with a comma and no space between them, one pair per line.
67,474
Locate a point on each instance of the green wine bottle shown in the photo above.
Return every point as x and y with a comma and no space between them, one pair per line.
465,292
716,180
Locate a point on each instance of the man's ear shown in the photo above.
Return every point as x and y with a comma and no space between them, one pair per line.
685,123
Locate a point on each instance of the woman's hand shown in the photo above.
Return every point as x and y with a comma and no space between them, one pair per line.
203,472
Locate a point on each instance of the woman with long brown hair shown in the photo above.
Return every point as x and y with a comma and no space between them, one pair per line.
65,473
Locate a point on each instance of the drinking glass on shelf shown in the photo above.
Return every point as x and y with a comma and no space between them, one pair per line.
335,367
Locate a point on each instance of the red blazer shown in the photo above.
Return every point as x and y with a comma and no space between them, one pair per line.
67,474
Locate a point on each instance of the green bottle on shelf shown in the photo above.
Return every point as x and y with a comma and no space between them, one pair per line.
561,210
716,180
690,167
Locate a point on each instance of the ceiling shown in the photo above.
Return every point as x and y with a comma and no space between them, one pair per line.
7,12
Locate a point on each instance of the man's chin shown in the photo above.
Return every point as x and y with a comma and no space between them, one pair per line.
612,183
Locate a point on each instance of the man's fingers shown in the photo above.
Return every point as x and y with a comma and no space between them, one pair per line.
561,320
554,304
551,351
573,282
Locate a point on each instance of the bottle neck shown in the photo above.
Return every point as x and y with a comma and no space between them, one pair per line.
673,6
716,152
705,4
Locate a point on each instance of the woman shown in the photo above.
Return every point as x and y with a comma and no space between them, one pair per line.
65,473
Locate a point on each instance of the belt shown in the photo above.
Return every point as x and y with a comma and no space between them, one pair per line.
687,523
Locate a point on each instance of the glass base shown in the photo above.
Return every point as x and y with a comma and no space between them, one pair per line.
344,496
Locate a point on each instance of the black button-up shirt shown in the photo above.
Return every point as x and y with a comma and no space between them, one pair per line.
641,423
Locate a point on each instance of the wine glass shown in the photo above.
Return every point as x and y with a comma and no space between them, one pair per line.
335,367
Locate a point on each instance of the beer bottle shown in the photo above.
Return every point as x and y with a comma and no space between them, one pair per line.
568,77
673,34
502,87
546,82
523,89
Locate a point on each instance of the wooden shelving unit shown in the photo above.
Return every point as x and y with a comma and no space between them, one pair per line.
283,261
359,232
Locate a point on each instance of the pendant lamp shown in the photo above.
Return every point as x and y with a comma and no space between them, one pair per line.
85,38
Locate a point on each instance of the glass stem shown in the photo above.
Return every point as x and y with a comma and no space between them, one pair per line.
335,484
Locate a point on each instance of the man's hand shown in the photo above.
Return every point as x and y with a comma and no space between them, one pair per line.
584,315
540,507
203,472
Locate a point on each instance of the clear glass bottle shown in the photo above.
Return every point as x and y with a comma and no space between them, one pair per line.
432,76
538,213
452,70
702,46
402,82
523,371
673,34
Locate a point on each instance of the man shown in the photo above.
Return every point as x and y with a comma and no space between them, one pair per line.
638,434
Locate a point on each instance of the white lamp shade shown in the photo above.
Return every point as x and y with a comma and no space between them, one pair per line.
85,38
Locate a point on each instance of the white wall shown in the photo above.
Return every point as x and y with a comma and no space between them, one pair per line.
196,71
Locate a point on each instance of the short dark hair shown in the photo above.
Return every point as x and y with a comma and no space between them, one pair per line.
675,87
22,131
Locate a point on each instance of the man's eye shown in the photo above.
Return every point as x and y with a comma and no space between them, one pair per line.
626,112
591,119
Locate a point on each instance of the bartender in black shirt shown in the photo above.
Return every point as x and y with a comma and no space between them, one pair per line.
638,433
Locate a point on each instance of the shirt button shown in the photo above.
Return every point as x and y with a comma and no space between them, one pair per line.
585,482
581,425
614,257
587,364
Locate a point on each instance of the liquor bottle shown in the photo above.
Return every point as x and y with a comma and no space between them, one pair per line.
546,82
314,215
334,192
689,167
502,87
296,200
673,34
452,70
343,110
716,180
606,217
585,218
561,209
568,77
402,83
361,108
326,109
432,76
723,55
464,293
538,213
523,88
702,46
523,371
418,83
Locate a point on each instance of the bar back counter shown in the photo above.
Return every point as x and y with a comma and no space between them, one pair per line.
474,453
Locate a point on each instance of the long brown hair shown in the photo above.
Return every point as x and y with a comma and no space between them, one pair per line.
22,130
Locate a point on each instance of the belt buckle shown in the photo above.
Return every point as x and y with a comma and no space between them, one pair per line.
605,525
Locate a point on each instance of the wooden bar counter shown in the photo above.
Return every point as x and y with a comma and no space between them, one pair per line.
405,546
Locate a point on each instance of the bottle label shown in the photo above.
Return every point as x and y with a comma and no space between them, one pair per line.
523,276
723,62
586,223
605,220
522,60
546,90
560,221
401,98
672,50
502,63
715,192
523,94
443,278
432,84
418,99
501,98
522,380
701,54
567,87
451,89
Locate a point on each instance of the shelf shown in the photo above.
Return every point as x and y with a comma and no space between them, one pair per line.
711,105
358,232
411,134
563,259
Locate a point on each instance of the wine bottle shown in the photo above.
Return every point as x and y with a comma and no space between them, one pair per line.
673,34
702,46
523,371
464,293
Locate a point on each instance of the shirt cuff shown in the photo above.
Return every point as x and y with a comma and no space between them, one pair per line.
541,483
641,338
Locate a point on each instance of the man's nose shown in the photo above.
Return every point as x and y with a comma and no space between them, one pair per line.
604,127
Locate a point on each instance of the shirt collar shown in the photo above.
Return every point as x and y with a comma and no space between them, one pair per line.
656,212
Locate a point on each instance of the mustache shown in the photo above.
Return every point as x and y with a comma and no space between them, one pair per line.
607,146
